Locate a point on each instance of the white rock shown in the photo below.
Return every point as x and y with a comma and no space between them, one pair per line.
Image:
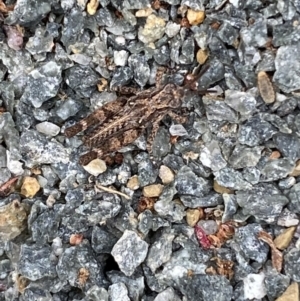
254,286
48,128
14,166
120,57
172,29
177,130
95,167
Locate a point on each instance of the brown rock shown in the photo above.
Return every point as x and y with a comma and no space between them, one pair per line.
275,155
283,240
30,187
193,216
133,183
166,174
153,190
76,239
202,56
195,17
291,293
92,7
296,171
13,220
221,189
265,87
95,167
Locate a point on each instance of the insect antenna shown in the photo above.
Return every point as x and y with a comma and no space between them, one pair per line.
193,78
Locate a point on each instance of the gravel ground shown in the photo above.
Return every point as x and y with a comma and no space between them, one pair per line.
212,214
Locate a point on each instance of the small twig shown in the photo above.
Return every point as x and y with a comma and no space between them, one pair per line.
113,191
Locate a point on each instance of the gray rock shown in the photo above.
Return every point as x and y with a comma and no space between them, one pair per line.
218,110
165,207
135,286
211,156
40,43
160,251
210,200
36,149
188,183
76,258
161,145
277,169
29,12
276,283
255,131
129,252
43,84
140,67
242,102
147,173
68,108
231,206
231,178
243,156
255,34
287,64
205,287
167,295
98,212
9,134
265,202
118,292
288,145
73,24
227,33
35,262
292,264
294,197
251,246
102,240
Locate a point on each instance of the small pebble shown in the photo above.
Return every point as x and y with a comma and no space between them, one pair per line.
120,57
133,183
265,87
152,191
48,128
193,216
291,293
92,7
296,170
30,187
75,239
142,13
177,130
195,17
209,226
254,287
221,189
95,167
202,56
166,174
153,30
283,240
13,220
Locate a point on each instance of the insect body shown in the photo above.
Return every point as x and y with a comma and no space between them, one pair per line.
122,121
